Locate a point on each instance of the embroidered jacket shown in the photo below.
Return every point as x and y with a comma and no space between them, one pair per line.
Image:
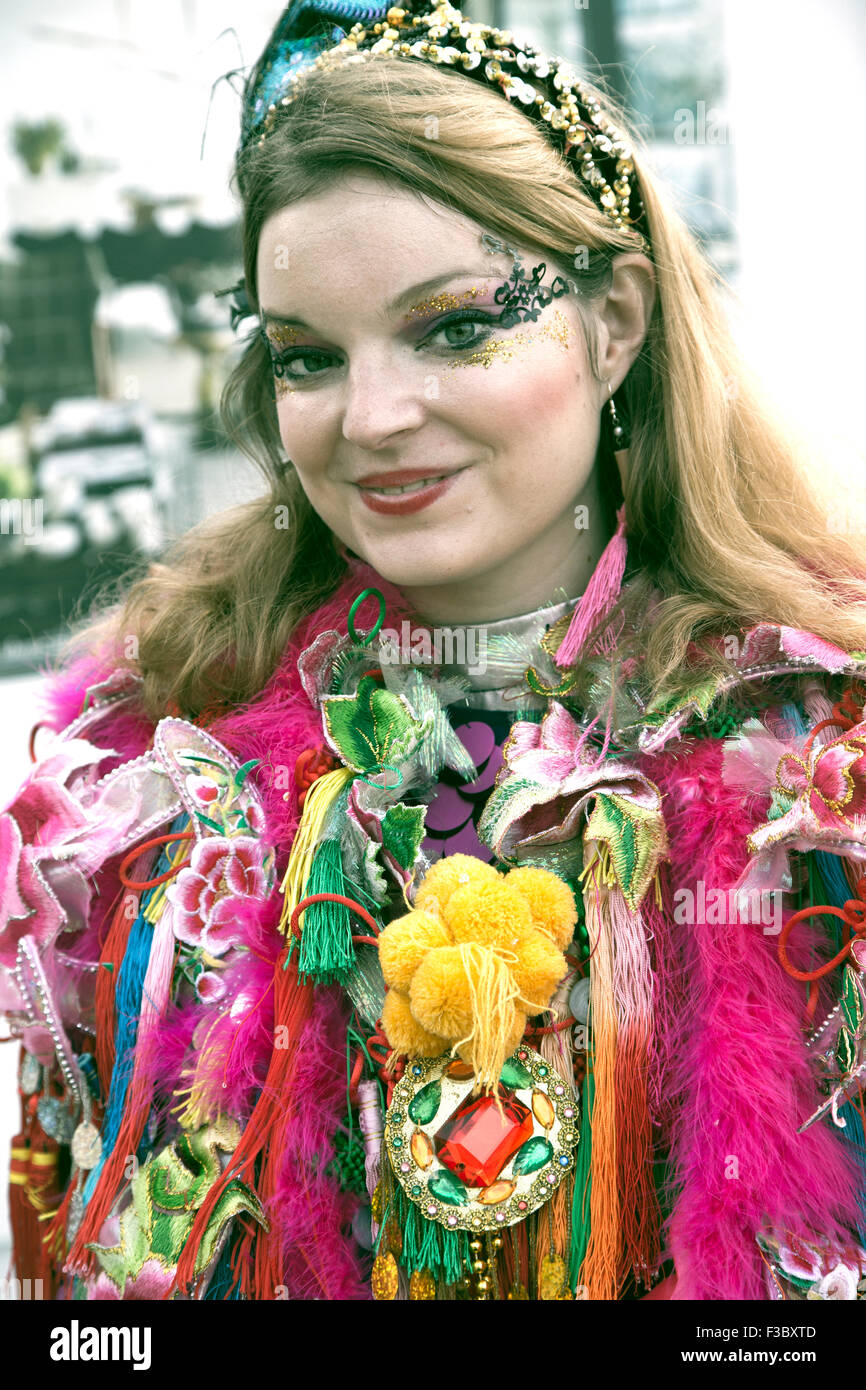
209,1107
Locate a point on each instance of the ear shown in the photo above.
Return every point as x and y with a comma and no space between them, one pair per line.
623,318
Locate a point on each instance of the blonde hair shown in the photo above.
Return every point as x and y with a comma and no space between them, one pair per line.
720,516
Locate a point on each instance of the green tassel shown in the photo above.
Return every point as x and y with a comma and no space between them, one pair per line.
426,1245
327,953
580,1222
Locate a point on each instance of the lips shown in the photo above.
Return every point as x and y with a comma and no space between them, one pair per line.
402,477
403,491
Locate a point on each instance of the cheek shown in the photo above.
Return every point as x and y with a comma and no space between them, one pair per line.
306,429
539,402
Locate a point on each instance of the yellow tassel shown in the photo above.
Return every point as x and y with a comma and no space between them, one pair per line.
319,800
658,888
492,995
598,1272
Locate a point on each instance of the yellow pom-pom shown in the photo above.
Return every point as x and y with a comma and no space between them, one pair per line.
404,1032
539,969
440,995
447,875
470,1052
489,913
550,900
404,943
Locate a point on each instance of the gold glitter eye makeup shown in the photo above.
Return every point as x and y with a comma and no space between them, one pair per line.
284,336
441,302
505,349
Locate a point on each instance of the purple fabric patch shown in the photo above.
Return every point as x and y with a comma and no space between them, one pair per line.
455,809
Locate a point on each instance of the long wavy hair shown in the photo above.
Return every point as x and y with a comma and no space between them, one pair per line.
725,527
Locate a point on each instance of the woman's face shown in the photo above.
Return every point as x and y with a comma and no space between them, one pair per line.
448,451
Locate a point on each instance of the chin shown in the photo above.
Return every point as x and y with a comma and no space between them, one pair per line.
406,569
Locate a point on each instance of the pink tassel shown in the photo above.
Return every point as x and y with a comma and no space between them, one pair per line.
600,596
639,1217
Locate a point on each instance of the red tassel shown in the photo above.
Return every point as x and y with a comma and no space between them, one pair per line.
264,1134
600,596
110,960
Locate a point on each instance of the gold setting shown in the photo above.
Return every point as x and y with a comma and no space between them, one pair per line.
528,1191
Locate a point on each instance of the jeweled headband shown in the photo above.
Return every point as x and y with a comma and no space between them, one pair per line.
325,33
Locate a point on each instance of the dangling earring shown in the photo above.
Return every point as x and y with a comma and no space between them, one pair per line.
620,443
618,431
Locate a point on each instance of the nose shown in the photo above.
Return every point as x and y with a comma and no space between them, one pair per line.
384,398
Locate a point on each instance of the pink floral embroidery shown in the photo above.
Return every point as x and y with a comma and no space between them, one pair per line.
205,896
827,791
210,986
834,786
203,790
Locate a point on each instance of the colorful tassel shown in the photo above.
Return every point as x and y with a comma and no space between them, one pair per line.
317,805
327,954
633,1002
600,595
598,1272
264,1138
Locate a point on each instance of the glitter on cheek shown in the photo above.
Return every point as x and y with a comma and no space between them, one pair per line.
282,388
555,330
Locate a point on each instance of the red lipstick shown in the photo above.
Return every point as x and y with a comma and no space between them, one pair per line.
423,486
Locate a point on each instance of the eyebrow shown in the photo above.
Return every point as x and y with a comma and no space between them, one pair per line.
402,300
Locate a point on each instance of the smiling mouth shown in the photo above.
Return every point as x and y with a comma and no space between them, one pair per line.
399,489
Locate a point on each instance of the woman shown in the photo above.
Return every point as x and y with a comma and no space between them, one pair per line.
447,880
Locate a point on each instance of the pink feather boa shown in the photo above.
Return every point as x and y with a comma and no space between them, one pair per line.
310,1213
735,1068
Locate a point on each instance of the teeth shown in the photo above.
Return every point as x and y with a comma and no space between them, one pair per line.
409,487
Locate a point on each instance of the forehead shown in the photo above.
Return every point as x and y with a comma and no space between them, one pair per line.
363,232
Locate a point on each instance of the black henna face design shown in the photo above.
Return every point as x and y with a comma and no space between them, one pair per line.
523,297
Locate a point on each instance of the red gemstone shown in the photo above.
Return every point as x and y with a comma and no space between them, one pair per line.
477,1142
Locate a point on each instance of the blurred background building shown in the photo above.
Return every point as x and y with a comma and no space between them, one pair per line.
117,226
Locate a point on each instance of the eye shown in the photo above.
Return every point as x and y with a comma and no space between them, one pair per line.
464,329
286,364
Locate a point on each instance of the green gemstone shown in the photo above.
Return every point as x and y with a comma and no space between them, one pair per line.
424,1105
448,1189
514,1074
416,1190
531,1156
542,1071
397,1141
